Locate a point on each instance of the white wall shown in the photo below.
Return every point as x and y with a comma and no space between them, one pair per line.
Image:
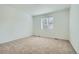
74,27
14,24
61,25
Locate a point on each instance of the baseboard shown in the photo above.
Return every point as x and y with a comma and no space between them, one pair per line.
16,39
73,47
50,37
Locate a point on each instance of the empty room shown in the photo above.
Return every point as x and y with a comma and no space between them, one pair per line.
39,29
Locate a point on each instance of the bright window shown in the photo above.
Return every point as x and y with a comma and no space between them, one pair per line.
47,22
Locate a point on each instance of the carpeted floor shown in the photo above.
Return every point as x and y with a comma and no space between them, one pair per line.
37,45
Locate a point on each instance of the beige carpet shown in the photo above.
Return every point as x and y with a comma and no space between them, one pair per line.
37,45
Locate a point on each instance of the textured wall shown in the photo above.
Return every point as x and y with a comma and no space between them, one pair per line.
14,24
74,26
61,25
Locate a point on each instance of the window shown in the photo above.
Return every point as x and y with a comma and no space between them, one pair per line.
47,23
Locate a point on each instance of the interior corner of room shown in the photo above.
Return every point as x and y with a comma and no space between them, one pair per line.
20,21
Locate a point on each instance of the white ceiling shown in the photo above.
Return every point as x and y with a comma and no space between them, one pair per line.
36,9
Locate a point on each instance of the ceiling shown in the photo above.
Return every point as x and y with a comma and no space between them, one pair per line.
36,9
